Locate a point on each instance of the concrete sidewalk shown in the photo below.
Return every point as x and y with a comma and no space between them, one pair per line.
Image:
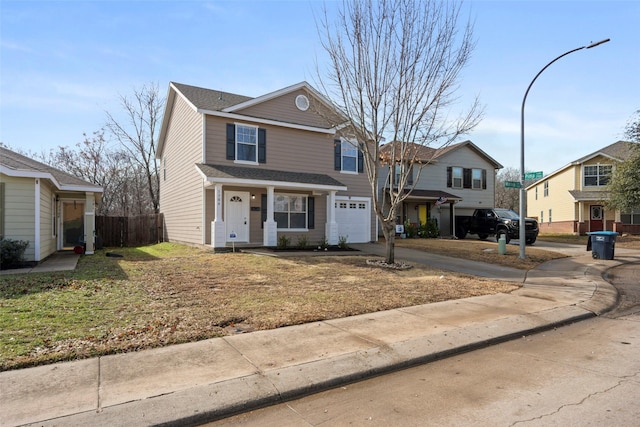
198,382
58,261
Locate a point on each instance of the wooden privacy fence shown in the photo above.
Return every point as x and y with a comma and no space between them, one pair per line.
118,231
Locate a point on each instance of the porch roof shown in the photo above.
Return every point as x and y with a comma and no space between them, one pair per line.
589,196
241,175
432,195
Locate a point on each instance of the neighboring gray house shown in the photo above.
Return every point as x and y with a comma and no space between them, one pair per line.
50,209
236,169
454,180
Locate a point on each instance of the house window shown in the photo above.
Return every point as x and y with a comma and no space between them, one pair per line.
457,177
476,179
536,192
349,157
546,189
247,143
541,217
164,168
290,211
631,217
549,216
596,175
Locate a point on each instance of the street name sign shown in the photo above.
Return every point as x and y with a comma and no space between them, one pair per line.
533,175
512,184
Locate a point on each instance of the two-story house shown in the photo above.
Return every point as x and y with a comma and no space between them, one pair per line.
237,169
444,182
572,199
47,207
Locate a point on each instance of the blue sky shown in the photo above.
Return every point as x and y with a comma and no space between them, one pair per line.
64,63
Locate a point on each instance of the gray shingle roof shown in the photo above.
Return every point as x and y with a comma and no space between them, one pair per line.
18,162
209,99
597,196
258,174
620,150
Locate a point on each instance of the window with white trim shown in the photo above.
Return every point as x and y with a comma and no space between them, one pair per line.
247,143
54,214
596,175
456,177
546,189
549,216
476,179
630,217
290,211
349,156
541,217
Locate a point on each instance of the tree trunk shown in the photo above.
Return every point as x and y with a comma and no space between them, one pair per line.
389,231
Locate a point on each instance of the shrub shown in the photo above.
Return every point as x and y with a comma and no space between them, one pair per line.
429,229
12,252
283,242
410,230
342,242
323,243
303,242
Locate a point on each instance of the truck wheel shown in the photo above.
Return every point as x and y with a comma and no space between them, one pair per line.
501,233
530,240
483,236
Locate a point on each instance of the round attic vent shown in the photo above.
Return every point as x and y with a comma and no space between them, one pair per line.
302,102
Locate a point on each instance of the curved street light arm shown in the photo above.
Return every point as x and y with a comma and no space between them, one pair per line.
521,225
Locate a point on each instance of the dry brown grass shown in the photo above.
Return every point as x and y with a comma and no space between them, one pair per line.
169,294
483,251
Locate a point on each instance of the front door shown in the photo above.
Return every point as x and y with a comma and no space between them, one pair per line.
72,224
236,216
596,218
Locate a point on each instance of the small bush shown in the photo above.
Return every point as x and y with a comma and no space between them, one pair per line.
303,242
342,242
323,243
283,242
410,230
429,229
12,252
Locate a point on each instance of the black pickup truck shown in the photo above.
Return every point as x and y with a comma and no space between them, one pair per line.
496,222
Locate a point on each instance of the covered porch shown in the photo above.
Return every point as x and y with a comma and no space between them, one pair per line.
424,205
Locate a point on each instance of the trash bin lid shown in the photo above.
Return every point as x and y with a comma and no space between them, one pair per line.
604,233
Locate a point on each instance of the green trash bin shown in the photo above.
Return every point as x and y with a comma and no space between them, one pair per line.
602,244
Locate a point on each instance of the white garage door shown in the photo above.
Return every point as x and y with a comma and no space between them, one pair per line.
354,219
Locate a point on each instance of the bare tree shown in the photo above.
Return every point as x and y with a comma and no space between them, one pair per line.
507,198
393,73
138,132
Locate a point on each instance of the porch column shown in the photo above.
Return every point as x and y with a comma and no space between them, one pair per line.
270,227
89,222
331,227
218,232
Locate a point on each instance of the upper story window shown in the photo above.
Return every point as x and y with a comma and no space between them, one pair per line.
536,192
348,158
246,143
457,177
596,175
546,188
476,179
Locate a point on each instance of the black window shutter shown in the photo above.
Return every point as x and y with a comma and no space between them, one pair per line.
484,179
311,214
410,176
231,141
262,146
263,209
337,154
449,176
360,162
466,178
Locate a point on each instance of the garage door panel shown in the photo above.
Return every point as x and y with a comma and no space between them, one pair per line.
354,220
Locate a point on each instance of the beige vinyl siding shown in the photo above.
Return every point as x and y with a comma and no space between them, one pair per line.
47,200
181,193
20,211
283,109
559,200
293,150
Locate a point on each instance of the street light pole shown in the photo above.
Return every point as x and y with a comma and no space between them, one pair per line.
521,224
